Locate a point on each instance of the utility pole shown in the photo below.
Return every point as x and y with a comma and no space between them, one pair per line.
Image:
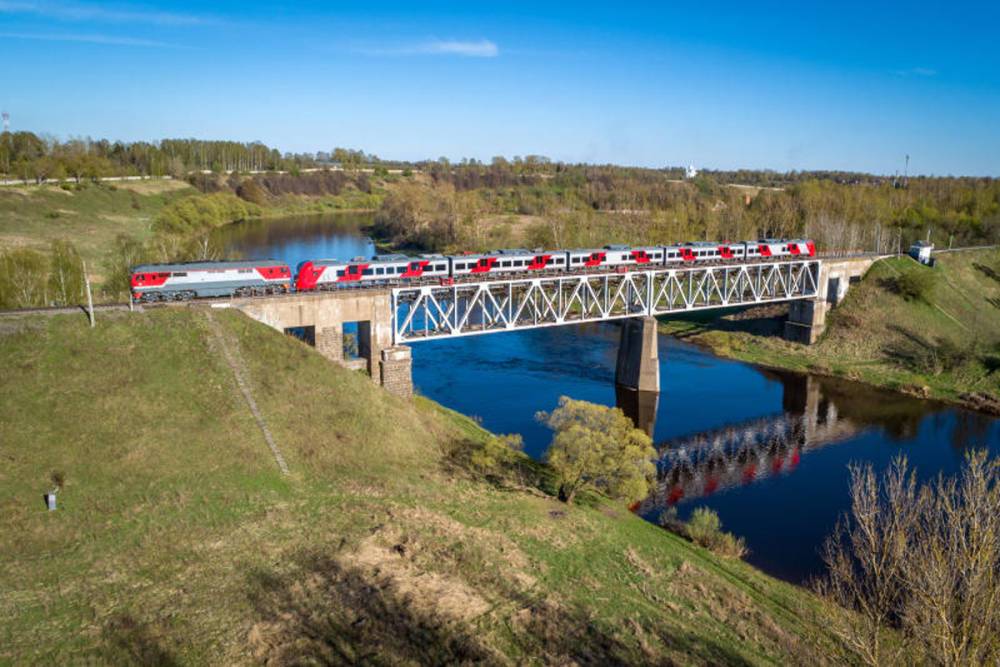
90,298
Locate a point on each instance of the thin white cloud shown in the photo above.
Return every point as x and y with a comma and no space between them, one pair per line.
482,48
98,13
88,39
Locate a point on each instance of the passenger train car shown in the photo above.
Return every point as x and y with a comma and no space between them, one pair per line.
327,273
189,280
157,282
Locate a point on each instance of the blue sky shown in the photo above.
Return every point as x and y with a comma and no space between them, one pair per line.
846,85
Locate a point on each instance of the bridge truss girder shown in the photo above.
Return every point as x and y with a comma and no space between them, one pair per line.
423,312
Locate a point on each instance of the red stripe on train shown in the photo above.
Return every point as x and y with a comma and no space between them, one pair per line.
352,273
539,262
149,279
309,275
484,265
272,272
415,269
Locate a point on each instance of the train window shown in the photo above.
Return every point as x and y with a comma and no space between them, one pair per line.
505,264
366,272
379,271
340,273
576,260
439,267
179,274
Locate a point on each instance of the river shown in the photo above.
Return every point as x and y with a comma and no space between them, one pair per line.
766,450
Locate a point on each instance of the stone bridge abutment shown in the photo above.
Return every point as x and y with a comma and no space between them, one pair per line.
320,319
807,317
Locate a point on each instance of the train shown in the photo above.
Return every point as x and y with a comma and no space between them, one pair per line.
191,280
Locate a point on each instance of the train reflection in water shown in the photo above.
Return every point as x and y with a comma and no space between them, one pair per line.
817,412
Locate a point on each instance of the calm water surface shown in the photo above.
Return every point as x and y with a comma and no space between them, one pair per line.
767,450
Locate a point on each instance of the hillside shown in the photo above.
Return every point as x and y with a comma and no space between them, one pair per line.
178,540
90,216
944,344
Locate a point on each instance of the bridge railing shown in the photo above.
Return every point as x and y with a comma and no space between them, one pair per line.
430,311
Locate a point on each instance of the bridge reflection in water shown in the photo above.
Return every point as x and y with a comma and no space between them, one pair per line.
816,413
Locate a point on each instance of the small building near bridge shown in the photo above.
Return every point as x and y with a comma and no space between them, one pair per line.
921,251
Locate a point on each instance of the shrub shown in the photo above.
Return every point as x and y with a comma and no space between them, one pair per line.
498,459
201,212
916,284
249,191
705,529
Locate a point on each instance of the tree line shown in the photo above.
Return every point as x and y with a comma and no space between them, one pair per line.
597,205
27,156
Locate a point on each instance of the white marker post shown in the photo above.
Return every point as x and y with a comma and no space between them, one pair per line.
90,298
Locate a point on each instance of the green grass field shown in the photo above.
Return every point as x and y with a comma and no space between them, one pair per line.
33,217
945,346
177,540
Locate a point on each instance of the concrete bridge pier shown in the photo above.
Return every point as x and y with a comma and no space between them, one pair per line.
638,367
806,321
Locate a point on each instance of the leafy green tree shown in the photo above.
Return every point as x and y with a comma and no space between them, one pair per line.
597,447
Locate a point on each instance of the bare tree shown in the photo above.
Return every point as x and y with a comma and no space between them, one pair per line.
925,563
866,558
953,573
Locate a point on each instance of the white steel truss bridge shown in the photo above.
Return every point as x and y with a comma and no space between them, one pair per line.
425,312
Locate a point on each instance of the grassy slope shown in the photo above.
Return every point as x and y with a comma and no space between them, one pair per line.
865,333
91,218
177,539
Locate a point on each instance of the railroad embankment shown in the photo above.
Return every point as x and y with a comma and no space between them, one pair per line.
399,535
929,332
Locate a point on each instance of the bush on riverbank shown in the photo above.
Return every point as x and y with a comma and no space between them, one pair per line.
704,528
199,213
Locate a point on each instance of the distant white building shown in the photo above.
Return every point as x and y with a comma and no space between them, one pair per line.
690,172
921,251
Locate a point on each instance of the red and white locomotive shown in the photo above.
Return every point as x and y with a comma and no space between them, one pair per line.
189,280
159,282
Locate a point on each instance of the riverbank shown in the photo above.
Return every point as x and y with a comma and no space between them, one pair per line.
177,538
943,344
